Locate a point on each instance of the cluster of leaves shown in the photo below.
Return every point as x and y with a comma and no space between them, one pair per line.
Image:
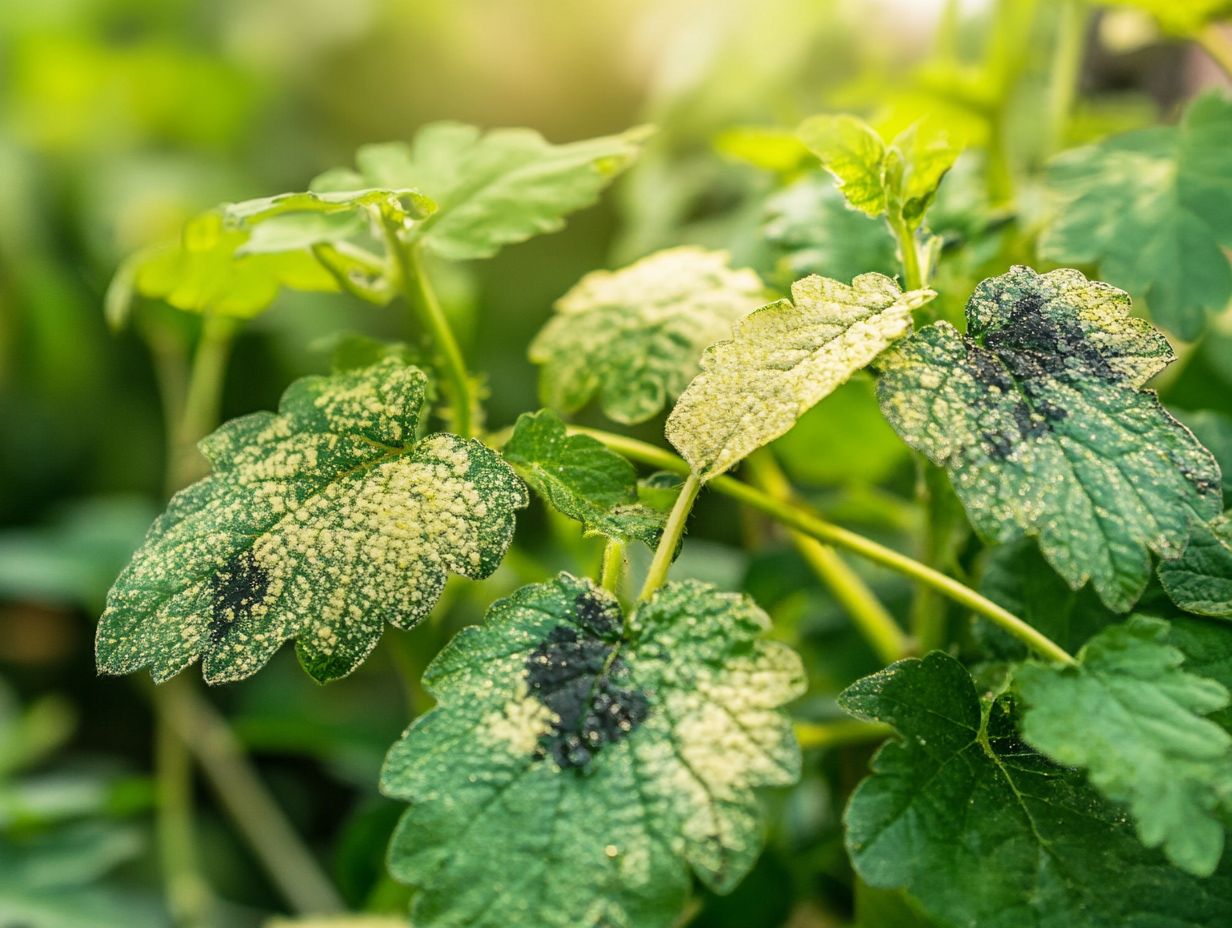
588,757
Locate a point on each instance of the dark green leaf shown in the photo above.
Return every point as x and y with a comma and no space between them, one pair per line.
1200,580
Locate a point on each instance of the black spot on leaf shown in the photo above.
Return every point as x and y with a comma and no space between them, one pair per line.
236,587
571,672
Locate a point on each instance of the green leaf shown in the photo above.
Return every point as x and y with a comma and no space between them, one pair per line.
1039,417
581,478
782,360
1214,430
898,180
1133,719
491,189
981,831
1153,209
1200,580
320,523
766,147
633,336
576,767
1207,647
1180,17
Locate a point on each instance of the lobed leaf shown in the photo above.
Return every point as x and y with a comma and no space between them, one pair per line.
1200,580
1039,417
1132,718
981,831
782,360
582,478
633,336
319,523
491,189
1153,209
577,766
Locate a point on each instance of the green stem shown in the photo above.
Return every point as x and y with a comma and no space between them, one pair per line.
840,732
613,568
1216,45
816,527
871,618
423,301
1069,44
909,252
202,399
673,531
188,894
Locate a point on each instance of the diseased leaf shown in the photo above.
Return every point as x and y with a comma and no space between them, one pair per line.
582,478
1133,719
319,523
1214,430
1200,580
576,768
984,832
1039,417
234,259
781,360
897,180
1153,208
492,189
634,336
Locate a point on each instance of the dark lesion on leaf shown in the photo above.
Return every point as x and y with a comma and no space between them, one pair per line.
236,588
573,672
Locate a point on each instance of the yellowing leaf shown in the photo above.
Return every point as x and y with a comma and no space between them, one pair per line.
319,523
781,360
633,336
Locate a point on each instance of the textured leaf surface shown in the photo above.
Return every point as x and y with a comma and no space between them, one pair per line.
574,771
634,336
491,189
1039,417
1153,208
781,360
1200,580
898,180
320,523
982,831
582,478
1134,719
1214,430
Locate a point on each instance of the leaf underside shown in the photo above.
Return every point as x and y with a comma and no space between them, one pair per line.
319,523
574,770
781,360
1039,417
634,336
980,830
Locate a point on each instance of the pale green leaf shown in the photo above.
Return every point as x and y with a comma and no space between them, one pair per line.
1200,580
781,360
319,523
577,766
634,336
581,478
1153,209
491,189
1039,417
981,831
765,147
1133,719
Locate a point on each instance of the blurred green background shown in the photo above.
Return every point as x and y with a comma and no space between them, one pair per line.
119,119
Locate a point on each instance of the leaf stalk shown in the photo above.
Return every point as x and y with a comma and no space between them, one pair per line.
673,531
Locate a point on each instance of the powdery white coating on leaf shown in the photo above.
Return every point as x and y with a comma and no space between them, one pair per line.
781,361
1200,580
319,523
1038,415
1133,718
656,739
634,336
981,831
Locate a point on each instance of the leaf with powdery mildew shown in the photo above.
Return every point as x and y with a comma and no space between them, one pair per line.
633,336
1133,718
1039,416
781,361
577,766
1200,580
582,478
320,522
491,189
982,831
